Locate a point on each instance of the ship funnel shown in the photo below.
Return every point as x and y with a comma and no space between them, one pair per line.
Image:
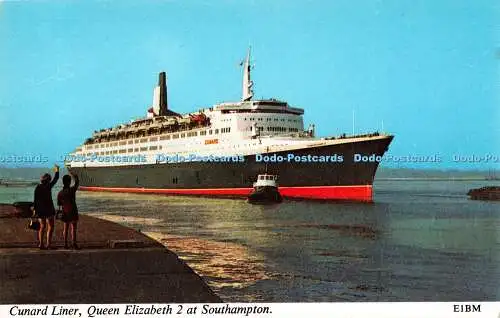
160,100
163,102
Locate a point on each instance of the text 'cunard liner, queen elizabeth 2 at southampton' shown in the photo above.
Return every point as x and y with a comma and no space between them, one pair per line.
220,151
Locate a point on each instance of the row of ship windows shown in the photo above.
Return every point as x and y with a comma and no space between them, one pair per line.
164,137
276,129
282,129
129,150
121,151
271,119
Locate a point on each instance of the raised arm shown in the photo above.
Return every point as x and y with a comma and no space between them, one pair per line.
56,176
77,181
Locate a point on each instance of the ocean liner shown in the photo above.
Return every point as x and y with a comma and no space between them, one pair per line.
220,150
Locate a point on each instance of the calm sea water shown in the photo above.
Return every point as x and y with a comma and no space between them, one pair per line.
419,241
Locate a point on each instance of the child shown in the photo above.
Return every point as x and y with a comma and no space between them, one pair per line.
66,199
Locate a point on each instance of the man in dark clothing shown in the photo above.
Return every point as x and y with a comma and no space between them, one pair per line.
44,207
66,200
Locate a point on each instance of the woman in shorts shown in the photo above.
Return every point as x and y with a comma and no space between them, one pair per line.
44,207
66,199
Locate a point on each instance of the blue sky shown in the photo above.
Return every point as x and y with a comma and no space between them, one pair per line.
427,71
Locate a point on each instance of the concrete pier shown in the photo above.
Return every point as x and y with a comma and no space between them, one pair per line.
115,265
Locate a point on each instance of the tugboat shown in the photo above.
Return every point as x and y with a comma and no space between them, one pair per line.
265,190
485,193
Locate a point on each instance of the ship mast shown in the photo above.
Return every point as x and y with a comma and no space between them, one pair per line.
247,82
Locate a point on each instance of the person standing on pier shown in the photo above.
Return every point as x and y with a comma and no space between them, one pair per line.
66,199
44,207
